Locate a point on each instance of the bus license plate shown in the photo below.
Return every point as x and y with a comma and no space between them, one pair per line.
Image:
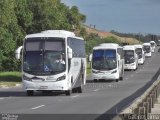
36,80
103,77
43,87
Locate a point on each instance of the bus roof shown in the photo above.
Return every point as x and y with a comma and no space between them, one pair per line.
147,44
138,46
107,46
53,33
152,42
129,47
110,44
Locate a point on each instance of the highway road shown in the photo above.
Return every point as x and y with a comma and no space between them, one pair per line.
99,100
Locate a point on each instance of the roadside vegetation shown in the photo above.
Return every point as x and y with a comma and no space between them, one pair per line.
10,78
22,17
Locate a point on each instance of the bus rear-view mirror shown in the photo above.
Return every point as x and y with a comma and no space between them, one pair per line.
18,53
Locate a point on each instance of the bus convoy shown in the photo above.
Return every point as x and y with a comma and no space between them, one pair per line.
55,60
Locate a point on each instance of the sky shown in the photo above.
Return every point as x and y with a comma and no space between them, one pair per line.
126,16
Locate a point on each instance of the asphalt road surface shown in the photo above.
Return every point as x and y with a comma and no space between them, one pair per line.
100,100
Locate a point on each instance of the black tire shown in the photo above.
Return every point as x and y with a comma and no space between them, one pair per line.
121,78
68,92
117,80
30,92
74,90
95,80
79,89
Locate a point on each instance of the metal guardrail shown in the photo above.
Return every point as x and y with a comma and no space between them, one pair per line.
143,104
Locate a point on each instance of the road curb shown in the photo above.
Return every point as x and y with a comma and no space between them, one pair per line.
6,86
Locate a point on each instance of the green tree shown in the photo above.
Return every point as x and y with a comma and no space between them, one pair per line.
21,17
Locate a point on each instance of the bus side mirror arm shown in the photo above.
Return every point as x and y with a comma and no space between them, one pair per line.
70,52
18,52
90,58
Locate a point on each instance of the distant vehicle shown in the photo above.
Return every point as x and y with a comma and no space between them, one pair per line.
153,46
158,43
53,60
147,49
140,53
107,62
130,57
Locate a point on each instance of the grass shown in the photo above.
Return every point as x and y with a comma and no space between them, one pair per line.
88,68
10,78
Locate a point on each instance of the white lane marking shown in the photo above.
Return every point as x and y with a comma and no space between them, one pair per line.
37,107
126,78
110,85
96,90
1,98
75,96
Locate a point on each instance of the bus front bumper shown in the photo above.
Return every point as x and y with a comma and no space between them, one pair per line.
39,86
140,61
106,76
131,66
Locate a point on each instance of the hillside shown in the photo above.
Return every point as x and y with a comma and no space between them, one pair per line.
105,34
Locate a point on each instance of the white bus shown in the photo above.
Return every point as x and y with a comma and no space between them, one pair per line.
158,43
107,62
153,46
140,53
53,60
130,57
147,49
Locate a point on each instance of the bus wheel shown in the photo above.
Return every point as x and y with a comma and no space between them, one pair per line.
30,92
79,89
117,80
68,92
121,78
95,80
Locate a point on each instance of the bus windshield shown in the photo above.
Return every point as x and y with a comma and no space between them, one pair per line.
129,56
146,49
139,52
44,56
104,59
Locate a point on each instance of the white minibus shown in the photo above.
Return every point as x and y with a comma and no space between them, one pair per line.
153,46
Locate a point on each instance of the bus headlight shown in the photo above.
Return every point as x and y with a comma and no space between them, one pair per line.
61,78
132,64
114,71
26,78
